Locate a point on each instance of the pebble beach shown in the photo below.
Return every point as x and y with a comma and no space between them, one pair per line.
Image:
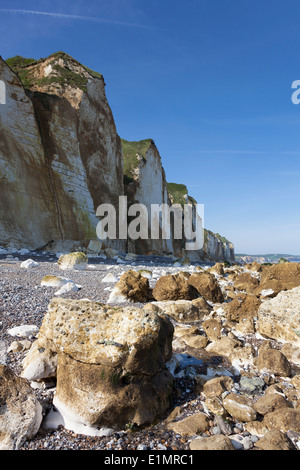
24,302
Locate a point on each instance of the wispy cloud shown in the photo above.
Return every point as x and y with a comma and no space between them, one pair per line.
91,19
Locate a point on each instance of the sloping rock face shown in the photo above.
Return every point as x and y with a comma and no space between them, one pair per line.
60,155
111,363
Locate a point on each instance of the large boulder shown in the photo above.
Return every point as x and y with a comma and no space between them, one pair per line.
283,419
273,362
246,282
207,286
280,277
279,318
132,287
20,411
174,287
110,362
243,306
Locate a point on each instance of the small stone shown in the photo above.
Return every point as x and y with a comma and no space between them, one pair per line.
218,442
216,430
239,407
19,346
110,277
23,331
251,385
191,425
28,264
76,260
68,287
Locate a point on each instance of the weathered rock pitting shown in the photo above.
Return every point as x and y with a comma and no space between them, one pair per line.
110,362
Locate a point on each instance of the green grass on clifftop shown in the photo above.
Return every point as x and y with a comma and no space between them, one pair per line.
131,151
65,76
177,193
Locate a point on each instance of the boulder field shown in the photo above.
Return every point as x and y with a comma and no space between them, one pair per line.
206,356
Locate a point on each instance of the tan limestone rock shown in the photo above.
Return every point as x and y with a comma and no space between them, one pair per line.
273,440
239,407
133,287
218,442
274,362
242,306
194,424
283,419
279,318
174,287
270,402
212,328
20,411
279,277
246,282
224,347
111,362
207,286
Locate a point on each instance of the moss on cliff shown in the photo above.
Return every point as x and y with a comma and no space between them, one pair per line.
25,69
65,77
177,193
131,153
18,62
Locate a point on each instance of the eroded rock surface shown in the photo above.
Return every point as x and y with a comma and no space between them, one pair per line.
110,362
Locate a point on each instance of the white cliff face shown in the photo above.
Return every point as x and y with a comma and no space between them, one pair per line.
216,249
26,216
151,189
60,156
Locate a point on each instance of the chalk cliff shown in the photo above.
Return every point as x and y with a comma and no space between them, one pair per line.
145,183
61,157
60,154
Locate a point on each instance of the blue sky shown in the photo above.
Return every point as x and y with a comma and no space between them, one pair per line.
208,80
